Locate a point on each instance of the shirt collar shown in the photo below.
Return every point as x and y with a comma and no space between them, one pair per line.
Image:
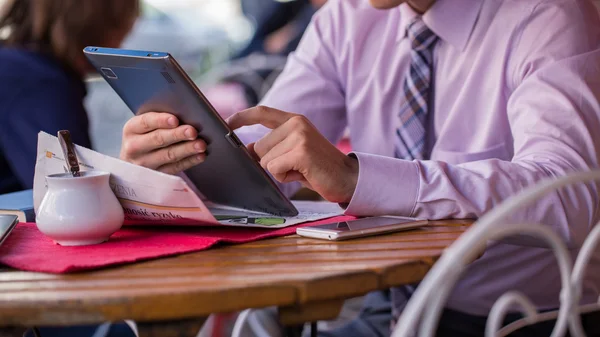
451,20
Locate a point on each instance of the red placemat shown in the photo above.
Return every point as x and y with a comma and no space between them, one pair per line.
28,249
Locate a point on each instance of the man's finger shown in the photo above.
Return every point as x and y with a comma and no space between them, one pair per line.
150,121
295,176
269,117
183,164
289,129
161,138
280,166
277,151
173,154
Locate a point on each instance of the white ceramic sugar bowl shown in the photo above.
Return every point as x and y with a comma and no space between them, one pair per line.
80,210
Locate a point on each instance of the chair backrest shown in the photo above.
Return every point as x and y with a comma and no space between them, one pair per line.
428,301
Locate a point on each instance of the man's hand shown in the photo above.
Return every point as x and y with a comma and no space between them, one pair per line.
157,141
295,151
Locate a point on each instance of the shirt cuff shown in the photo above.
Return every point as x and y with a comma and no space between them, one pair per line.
386,186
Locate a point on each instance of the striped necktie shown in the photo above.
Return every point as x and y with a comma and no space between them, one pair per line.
410,140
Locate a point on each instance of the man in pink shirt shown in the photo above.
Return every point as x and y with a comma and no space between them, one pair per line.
452,106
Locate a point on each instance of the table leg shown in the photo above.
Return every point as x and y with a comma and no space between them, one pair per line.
313,329
294,331
178,328
310,312
294,317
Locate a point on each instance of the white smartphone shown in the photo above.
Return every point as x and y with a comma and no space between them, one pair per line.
361,227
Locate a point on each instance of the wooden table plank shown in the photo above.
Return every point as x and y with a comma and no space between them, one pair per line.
75,308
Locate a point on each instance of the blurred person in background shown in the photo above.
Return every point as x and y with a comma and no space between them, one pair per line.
279,25
253,69
42,68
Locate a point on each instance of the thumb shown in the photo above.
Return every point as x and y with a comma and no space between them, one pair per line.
250,148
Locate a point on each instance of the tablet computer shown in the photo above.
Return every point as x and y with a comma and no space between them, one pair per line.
153,81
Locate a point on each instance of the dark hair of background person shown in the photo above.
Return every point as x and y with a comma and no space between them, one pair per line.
64,27
42,72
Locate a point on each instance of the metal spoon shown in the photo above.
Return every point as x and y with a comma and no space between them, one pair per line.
68,149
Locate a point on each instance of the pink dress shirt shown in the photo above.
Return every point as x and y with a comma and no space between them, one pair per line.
515,101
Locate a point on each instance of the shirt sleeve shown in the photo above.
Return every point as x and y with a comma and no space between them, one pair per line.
46,107
553,113
309,84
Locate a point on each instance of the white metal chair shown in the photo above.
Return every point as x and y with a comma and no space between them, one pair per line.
426,305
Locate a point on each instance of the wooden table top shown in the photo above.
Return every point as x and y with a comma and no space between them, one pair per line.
295,273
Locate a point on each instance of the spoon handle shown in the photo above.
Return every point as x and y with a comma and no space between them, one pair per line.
68,149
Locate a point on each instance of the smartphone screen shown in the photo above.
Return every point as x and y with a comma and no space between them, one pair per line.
366,223
7,223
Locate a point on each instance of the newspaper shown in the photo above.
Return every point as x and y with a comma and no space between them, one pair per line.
150,197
